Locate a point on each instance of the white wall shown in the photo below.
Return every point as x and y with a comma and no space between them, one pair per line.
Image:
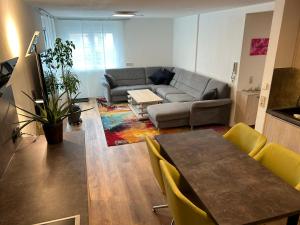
18,21
257,25
220,40
218,45
148,42
185,42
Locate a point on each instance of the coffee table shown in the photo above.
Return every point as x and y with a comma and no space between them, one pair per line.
138,100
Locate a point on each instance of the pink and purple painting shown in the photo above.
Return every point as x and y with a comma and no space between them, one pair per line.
259,46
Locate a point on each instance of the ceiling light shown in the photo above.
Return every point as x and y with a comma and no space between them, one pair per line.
124,14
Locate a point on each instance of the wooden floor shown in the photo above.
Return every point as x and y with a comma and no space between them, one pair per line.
121,183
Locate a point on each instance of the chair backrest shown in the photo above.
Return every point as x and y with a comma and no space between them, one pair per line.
246,138
155,157
281,161
183,210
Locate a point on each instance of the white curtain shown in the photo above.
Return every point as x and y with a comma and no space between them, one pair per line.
99,45
48,29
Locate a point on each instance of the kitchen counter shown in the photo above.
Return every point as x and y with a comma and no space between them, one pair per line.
286,114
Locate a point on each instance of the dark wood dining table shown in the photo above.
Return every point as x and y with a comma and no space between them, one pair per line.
233,188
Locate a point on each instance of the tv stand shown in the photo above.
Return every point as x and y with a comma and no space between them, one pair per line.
45,182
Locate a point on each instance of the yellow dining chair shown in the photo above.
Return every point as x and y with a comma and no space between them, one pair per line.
282,162
183,210
246,138
155,157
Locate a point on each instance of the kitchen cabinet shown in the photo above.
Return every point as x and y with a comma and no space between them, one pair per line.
246,107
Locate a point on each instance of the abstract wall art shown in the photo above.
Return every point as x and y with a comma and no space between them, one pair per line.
259,46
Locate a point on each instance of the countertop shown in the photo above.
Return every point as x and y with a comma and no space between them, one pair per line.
284,116
45,182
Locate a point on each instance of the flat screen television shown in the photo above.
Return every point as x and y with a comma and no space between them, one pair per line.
6,70
43,69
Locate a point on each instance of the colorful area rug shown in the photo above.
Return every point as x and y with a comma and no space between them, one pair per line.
122,127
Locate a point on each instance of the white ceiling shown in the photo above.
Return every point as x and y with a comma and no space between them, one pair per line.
147,8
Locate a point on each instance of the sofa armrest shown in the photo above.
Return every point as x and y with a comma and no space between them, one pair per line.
211,103
105,83
106,90
210,112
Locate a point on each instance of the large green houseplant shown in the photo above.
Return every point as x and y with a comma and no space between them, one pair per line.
59,60
56,107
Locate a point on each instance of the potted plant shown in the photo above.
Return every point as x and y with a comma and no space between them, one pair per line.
51,116
60,59
70,84
51,113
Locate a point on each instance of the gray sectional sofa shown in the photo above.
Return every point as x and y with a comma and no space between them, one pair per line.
183,97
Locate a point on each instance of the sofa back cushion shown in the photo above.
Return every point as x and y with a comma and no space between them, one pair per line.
191,83
222,88
178,72
128,76
151,70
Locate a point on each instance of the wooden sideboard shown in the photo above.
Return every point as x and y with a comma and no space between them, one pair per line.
246,107
44,183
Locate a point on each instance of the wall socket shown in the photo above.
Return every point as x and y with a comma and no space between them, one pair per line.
262,101
234,71
250,79
129,64
265,86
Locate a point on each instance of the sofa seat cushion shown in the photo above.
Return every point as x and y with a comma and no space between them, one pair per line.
180,98
169,111
165,91
155,87
122,90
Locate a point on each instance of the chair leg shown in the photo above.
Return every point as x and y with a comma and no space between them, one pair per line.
173,222
156,207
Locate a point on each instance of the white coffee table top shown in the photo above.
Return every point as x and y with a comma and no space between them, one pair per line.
144,96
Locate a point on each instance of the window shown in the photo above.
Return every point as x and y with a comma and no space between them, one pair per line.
98,43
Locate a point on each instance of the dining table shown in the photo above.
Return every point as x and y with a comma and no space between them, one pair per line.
232,187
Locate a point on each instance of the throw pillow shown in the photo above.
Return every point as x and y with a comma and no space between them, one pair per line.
111,80
169,76
210,95
162,76
157,77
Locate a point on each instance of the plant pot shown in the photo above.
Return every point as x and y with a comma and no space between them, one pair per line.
74,117
53,133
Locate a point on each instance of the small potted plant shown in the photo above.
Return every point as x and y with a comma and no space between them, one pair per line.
70,84
51,113
51,116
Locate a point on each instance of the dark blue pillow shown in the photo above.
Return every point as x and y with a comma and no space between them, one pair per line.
210,95
168,76
161,76
111,80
